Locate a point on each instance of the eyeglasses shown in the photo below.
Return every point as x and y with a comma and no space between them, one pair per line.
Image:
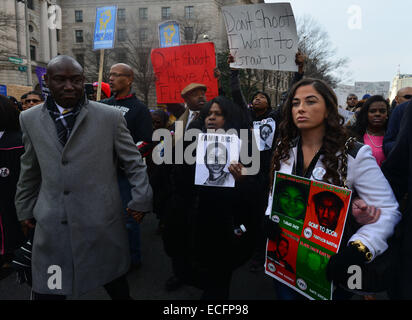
353,98
115,75
31,100
407,96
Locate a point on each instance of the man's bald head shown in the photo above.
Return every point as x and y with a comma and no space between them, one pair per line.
403,95
125,68
65,80
121,79
62,60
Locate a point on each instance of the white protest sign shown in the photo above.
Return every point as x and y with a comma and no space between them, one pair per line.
264,131
214,153
348,115
262,36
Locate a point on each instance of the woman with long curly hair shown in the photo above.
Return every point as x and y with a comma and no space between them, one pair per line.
11,148
371,123
314,144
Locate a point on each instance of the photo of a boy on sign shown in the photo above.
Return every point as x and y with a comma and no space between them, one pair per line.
264,131
215,160
214,153
326,214
281,256
290,199
328,207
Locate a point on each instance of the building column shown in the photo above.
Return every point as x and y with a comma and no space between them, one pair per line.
44,32
53,43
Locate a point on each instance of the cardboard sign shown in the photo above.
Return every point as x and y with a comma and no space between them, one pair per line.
262,36
176,67
312,217
214,153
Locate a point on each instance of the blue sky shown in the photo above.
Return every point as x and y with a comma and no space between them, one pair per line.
383,42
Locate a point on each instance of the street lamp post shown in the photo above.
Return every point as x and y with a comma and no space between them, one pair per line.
28,57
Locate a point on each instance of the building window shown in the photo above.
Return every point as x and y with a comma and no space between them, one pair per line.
80,59
79,36
121,15
143,13
30,4
78,15
189,12
31,29
189,33
32,53
57,34
121,35
143,34
165,13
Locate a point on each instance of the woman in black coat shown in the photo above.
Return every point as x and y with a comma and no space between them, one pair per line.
223,223
11,148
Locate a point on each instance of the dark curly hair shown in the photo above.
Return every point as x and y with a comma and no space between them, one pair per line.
234,117
9,115
361,124
333,141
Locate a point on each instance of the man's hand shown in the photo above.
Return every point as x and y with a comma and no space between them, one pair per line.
217,73
237,170
230,58
300,61
136,215
363,213
26,225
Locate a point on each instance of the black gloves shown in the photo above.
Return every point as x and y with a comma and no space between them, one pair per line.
271,229
337,269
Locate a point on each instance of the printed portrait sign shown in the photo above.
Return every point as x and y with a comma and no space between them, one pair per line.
176,67
348,115
312,217
262,36
214,153
264,131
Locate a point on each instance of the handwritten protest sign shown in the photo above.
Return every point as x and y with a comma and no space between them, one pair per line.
312,217
214,153
262,36
176,67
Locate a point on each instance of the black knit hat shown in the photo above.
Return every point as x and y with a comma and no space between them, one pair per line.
266,95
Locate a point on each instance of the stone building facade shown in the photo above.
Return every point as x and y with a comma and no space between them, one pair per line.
66,27
14,52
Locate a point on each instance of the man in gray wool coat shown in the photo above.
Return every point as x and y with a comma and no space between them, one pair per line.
68,189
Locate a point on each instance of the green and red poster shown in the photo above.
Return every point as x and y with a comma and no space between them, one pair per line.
312,217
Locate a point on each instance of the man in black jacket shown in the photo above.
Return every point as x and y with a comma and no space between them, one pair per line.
398,170
139,123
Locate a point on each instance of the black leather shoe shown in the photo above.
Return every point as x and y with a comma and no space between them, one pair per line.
173,283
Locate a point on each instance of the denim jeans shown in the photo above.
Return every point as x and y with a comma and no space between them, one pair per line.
133,228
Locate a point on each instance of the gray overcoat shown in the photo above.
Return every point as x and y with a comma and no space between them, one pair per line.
73,194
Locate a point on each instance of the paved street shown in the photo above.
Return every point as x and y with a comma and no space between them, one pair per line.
147,283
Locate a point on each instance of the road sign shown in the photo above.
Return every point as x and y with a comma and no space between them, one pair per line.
16,60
